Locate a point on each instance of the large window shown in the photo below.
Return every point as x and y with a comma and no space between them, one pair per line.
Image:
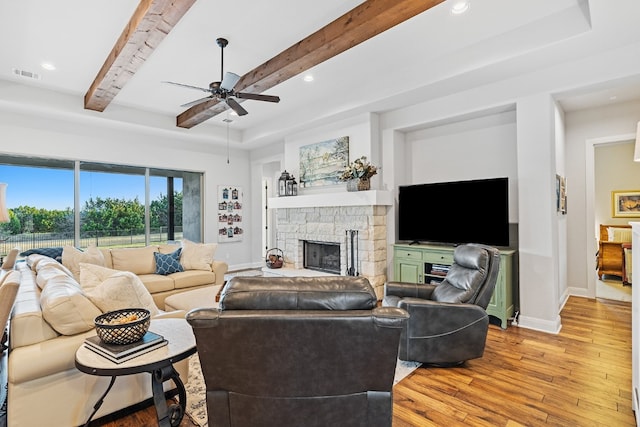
111,205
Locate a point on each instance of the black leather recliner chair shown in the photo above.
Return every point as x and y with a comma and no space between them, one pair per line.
448,322
298,352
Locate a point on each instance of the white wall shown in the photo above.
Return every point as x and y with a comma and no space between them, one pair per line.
615,170
545,239
560,149
536,170
270,162
554,263
538,232
585,130
474,149
359,131
265,167
100,141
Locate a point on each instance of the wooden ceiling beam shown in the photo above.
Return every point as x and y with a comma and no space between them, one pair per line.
150,23
363,22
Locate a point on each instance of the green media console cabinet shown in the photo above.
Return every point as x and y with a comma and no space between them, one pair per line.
430,263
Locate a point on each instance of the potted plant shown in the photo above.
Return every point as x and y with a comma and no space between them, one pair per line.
358,174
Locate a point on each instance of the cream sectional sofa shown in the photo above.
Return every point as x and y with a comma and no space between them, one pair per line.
141,262
52,316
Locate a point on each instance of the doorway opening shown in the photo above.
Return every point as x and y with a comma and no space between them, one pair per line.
600,179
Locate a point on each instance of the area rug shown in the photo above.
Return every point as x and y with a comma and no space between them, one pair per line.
196,402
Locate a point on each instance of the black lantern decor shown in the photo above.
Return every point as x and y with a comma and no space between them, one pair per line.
292,186
282,183
287,185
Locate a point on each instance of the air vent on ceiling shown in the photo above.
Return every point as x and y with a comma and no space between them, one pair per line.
26,74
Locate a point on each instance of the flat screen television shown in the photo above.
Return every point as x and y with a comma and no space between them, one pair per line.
474,211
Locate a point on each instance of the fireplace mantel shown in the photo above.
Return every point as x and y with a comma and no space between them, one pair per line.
355,198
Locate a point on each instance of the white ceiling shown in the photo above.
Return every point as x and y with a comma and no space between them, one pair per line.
431,55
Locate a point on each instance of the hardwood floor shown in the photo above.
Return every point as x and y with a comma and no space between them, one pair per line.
580,377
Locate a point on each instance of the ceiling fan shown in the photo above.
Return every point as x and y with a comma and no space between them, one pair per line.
223,90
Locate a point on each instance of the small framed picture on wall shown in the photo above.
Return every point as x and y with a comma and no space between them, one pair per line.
561,194
625,204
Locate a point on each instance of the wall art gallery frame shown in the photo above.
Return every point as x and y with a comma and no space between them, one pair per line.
321,163
561,194
625,204
229,213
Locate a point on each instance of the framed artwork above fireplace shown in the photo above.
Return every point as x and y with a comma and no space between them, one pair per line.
321,163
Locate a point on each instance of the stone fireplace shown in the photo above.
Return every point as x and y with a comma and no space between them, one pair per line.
326,219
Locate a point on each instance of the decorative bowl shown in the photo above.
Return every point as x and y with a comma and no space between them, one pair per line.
123,326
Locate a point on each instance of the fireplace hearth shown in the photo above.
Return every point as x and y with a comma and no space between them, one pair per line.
322,256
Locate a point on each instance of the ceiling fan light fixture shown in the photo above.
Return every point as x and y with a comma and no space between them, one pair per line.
229,81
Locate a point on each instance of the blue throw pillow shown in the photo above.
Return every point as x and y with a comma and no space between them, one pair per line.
55,253
168,263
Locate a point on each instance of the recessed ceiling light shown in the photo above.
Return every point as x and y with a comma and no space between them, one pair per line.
48,66
460,7
308,78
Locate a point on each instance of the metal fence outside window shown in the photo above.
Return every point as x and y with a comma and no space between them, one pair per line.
103,238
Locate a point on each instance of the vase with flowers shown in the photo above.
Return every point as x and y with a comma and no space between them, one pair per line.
358,174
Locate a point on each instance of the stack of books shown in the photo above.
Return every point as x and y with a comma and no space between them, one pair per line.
118,353
440,270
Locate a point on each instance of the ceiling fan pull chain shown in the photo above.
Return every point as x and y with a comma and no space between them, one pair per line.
228,120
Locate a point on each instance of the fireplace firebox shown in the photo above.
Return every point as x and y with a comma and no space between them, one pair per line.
322,256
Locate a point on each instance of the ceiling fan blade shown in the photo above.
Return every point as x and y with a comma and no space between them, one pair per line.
229,81
196,102
257,97
204,89
236,107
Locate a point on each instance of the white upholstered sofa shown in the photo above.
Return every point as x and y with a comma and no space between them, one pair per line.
54,313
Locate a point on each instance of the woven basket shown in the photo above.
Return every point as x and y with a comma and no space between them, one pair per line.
274,258
112,332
